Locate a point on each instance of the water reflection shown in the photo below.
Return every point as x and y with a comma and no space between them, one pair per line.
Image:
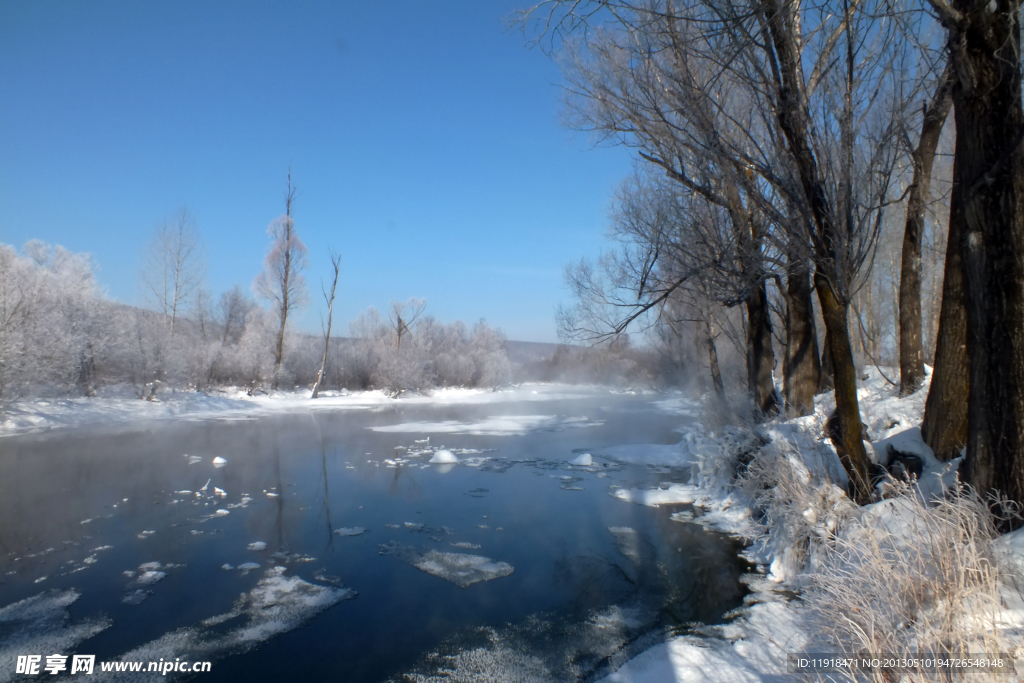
584,563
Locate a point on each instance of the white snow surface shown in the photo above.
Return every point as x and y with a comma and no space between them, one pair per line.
498,425
754,646
118,407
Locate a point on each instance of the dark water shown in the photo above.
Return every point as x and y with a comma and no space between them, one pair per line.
579,598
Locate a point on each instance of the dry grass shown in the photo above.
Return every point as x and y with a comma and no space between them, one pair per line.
913,579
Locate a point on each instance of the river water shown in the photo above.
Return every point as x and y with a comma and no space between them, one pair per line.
326,546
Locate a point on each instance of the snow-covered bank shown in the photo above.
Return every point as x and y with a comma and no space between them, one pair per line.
37,415
914,572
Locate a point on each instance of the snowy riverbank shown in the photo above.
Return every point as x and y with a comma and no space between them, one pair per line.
120,408
797,525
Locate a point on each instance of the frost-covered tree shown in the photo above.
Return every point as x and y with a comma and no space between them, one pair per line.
173,268
281,282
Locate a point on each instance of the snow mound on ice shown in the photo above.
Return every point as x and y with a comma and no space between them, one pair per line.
585,460
444,457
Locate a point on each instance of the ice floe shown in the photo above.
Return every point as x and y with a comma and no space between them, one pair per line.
460,568
257,545
674,493
350,531
276,605
41,624
219,462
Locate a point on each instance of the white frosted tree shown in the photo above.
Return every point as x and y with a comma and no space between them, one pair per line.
173,267
281,282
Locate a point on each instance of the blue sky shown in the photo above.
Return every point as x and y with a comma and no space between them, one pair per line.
424,138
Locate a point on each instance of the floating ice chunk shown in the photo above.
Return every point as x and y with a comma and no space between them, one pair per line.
466,545
221,513
149,566
219,492
206,485
219,462
257,545
675,493
136,597
444,457
226,567
461,569
350,531
271,494
584,460
86,521
426,440
129,573
150,577
184,492
147,533
102,547
414,526
41,624
276,604
193,459
90,560
247,567
41,579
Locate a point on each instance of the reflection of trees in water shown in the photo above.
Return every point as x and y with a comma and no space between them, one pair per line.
327,492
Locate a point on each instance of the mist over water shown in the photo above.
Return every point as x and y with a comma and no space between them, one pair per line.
562,581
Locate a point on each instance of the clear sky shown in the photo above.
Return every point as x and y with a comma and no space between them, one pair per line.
424,138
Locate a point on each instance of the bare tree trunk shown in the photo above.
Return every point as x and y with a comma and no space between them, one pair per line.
847,436
793,117
945,414
911,345
760,356
990,178
826,378
336,263
801,368
716,373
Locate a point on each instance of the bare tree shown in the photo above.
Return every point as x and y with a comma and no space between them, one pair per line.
281,281
329,298
987,222
783,115
174,268
911,343
403,314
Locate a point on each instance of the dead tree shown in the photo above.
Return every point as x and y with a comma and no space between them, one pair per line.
336,264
